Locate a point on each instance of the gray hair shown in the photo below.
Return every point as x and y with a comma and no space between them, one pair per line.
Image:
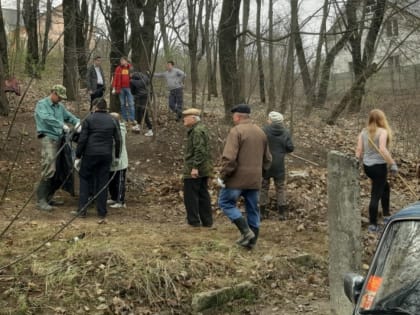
197,118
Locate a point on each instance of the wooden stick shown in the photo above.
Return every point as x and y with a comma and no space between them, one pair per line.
303,159
398,174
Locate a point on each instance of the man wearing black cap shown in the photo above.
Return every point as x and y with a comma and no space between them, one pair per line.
245,155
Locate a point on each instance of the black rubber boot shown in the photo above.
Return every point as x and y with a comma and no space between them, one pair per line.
282,212
263,213
253,241
42,195
246,233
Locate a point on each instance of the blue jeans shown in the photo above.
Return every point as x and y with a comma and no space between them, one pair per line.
176,100
228,198
127,97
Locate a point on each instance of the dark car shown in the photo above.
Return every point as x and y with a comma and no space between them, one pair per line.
392,285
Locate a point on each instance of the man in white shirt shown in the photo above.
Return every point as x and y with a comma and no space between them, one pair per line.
95,80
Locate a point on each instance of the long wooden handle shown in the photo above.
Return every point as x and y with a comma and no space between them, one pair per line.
398,174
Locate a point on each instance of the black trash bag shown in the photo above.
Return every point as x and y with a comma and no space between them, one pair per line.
64,177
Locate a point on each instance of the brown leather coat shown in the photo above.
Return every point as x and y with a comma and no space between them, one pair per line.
245,155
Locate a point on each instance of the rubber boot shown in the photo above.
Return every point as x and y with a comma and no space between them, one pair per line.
282,212
246,233
263,213
42,194
253,241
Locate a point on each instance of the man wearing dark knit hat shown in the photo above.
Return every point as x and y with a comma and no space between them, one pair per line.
245,155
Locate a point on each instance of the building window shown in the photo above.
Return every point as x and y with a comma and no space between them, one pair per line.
394,62
370,6
392,28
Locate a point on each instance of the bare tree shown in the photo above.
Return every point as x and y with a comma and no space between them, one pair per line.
363,65
142,34
271,69
4,104
210,42
261,79
47,27
114,14
229,20
70,64
163,30
241,50
290,69
30,17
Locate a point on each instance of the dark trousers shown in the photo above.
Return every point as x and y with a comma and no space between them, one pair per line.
197,202
379,191
117,186
141,111
94,168
176,99
98,93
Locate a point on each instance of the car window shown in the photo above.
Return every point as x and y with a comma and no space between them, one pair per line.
395,274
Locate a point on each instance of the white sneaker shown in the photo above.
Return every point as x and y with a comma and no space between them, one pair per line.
149,133
136,128
110,202
118,205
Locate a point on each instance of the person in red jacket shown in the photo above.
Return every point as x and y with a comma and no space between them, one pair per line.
121,86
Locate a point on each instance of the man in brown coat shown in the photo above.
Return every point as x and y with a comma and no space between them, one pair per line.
245,155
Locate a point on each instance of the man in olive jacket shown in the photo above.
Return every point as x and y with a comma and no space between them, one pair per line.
197,169
245,155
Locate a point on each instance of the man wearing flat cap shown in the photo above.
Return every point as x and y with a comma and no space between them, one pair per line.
50,118
280,143
245,156
197,169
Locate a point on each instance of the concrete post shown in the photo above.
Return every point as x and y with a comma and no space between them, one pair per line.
344,224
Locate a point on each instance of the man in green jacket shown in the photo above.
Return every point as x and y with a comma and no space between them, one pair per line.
197,169
50,118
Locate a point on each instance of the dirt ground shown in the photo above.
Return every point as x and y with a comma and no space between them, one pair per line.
145,259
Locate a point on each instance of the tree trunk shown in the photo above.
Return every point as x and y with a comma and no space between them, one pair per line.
241,51
206,37
45,43
321,40
4,102
17,30
117,35
229,19
70,66
289,75
271,69
142,47
213,74
3,47
82,29
194,32
303,65
30,17
162,26
261,79
368,54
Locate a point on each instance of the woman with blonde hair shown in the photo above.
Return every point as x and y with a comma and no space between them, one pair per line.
372,148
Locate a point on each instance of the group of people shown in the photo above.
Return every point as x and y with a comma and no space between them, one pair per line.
133,90
252,156
100,157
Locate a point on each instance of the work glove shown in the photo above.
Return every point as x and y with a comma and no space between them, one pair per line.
220,182
78,127
394,169
77,163
113,91
115,162
66,128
